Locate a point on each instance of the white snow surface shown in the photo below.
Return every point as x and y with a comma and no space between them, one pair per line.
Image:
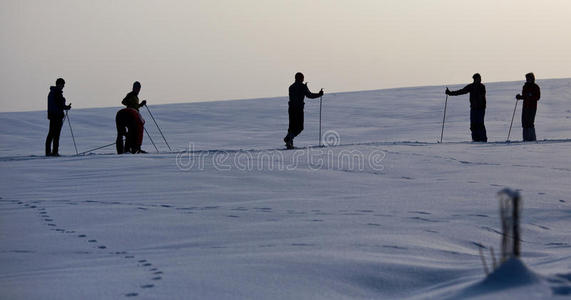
239,218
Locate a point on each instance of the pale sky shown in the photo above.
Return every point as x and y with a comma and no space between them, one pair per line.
187,51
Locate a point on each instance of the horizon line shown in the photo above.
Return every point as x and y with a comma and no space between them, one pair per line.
282,96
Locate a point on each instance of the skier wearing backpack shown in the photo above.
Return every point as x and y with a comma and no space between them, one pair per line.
56,107
297,93
477,107
530,94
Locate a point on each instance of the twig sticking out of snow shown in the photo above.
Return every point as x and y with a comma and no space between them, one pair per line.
484,262
510,206
494,264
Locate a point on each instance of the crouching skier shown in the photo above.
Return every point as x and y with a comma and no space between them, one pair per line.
129,125
297,93
530,94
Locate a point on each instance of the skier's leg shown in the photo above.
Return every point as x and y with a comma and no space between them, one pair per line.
50,138
57,131
121,132
140,130
297,126
532,113
527,119
131,140
532,136
132,136
297,122
119,144
477,125
528,134
293,129
300,121
483,128
524,124
140,133
473,125
291,124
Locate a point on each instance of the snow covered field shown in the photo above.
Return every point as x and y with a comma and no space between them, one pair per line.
383,212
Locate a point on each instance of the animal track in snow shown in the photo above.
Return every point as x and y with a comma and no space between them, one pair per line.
42,213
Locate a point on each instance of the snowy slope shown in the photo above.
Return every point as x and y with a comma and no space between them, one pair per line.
385,212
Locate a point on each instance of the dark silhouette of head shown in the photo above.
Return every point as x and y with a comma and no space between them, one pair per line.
477,78
298,77
530,77
136,87
60,83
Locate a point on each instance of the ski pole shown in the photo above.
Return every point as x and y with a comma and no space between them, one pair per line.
510,131
444,118
151,139
158,128
91,150
71,130
320,137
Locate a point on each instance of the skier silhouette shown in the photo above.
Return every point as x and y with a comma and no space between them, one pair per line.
530,94
297,93
477,107
56,107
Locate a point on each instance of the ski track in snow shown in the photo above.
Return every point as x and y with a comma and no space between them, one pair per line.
216,151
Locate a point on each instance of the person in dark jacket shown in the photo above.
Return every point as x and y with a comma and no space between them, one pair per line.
132,98
477,107
297,93
56,107
129,125
530,94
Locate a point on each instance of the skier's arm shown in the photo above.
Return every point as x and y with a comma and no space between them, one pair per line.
519,96
463,91
311,95
61,103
